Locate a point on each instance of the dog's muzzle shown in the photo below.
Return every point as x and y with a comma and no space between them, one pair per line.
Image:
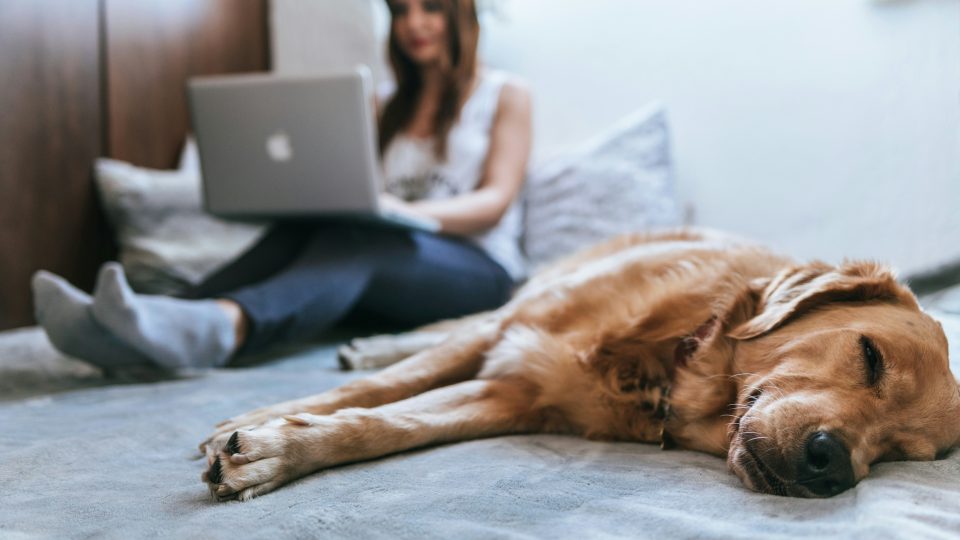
822,469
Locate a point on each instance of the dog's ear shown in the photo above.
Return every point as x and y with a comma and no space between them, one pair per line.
799,288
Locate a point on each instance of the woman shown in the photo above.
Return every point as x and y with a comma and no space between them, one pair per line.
454,139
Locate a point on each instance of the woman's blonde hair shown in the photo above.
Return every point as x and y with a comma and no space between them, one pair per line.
463,31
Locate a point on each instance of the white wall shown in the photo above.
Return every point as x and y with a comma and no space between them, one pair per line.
826,128
310,36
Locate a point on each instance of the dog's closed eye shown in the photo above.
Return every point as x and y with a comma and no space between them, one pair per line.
754,396
873,361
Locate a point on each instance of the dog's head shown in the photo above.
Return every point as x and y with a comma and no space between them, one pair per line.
840,369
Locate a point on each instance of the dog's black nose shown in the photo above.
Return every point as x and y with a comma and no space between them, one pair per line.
825,468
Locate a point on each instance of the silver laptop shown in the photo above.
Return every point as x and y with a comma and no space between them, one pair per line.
290,147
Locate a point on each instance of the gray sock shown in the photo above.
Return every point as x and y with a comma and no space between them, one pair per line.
65,314
175,333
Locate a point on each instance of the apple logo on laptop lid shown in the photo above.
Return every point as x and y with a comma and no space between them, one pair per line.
279,147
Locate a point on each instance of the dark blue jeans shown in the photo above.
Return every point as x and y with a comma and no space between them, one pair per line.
302,279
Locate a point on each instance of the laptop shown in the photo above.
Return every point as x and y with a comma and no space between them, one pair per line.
298,147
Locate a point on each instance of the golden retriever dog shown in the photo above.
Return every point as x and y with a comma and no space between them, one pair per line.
800,375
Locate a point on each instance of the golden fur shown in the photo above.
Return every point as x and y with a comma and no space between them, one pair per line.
688,339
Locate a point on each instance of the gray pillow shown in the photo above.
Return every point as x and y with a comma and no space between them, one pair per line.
167,242
622,181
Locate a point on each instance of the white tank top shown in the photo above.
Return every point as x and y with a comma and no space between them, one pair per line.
412,171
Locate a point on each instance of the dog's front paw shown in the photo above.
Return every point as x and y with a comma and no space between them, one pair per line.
258,417
255,461
216,442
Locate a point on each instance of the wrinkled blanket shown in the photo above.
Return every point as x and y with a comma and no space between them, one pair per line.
83,457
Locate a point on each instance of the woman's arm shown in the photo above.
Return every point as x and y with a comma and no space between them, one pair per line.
504,171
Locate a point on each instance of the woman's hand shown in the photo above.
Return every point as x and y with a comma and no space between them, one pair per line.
401,208
396,205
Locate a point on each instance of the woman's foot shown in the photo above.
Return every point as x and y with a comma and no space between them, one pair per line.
174,333
65,314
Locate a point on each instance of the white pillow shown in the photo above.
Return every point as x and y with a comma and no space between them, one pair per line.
167,242
621,181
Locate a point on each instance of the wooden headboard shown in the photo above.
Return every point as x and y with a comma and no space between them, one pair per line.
89,78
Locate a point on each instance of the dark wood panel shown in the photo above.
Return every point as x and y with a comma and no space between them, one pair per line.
49,137
153,46
84,78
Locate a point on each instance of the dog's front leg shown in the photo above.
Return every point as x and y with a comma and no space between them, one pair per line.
459,358
259,460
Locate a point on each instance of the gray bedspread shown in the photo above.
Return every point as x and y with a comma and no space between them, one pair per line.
83,458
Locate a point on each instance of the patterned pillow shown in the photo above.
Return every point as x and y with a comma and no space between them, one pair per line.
622,181
167,242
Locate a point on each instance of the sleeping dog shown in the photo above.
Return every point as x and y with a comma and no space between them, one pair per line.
800,375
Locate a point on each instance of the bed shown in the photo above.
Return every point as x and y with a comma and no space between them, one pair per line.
82,456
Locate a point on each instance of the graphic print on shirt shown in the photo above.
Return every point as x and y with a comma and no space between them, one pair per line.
430,185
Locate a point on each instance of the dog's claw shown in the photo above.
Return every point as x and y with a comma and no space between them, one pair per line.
233,445
215,475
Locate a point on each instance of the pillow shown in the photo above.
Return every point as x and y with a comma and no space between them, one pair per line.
621,181
167,242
